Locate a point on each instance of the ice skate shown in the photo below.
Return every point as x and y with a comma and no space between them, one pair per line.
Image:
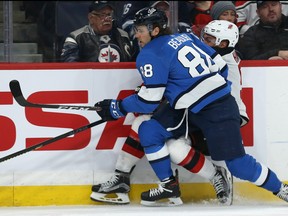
114,190
223,185
283,193
167,194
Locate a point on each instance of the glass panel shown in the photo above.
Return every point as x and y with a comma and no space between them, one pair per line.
34,31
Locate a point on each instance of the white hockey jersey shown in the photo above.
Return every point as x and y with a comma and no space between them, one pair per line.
234,76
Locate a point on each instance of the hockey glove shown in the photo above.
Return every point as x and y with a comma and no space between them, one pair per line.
110,110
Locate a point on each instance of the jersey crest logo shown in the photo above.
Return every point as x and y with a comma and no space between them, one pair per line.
109,53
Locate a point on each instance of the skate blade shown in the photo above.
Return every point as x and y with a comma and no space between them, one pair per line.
164,202
230,198
114,198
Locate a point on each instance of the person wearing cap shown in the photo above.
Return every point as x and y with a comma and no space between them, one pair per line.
268,38
247,16
99,41
224,10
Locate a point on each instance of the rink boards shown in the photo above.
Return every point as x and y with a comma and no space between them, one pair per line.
62,172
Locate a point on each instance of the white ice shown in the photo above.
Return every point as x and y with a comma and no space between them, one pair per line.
191,209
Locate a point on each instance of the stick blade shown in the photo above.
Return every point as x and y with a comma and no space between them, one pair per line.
15,88
21,100
17,93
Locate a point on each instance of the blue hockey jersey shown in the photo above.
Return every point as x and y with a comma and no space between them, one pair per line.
187,72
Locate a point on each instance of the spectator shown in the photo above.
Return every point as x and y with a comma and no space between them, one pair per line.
130,9
100,40
247,16
165,6
200,15
224,10
268,38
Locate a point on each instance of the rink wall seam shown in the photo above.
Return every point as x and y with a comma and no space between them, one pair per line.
80,194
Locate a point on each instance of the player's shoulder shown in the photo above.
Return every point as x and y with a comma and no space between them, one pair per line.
178,38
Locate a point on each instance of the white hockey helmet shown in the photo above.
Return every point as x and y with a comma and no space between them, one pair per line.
222,30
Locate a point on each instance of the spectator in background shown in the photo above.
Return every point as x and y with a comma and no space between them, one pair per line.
165,6
199,15
269,38
131,7
100,40
224,10
247,16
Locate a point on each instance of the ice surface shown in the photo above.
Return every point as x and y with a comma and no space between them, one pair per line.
191,209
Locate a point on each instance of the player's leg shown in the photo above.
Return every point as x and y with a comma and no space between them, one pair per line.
248,168
152,136
116,189
225,143
190,159
182,154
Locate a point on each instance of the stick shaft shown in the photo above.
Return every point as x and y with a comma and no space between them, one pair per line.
47,142
18,95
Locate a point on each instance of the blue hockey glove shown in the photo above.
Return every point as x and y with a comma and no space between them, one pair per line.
110,110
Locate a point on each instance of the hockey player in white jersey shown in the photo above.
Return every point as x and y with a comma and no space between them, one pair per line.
184,70
223,36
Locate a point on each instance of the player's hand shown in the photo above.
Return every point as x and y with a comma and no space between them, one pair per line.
110,109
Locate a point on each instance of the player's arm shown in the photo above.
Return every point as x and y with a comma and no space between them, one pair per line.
154,76
149,96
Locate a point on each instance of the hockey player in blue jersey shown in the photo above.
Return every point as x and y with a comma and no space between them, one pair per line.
192,77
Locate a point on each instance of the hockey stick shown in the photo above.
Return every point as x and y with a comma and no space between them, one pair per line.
17,94
40,145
